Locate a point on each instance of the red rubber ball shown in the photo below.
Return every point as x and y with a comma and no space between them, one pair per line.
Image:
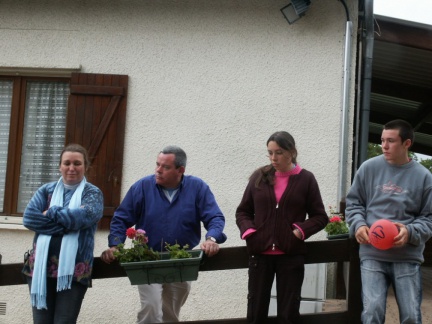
382,234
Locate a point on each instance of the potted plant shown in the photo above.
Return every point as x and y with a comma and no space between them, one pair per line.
143,265
337,227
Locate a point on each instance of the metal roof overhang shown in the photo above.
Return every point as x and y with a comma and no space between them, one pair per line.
401,84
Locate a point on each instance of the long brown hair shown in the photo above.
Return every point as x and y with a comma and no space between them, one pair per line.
286,142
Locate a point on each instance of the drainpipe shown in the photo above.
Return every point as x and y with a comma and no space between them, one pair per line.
343,141
367,81
366,93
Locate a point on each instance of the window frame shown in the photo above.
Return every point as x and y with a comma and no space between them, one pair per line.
16,139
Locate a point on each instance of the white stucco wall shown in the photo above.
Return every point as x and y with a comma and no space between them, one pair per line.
216,78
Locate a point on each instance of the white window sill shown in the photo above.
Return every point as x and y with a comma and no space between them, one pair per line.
11,222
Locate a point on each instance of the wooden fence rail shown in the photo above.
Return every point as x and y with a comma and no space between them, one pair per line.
339,251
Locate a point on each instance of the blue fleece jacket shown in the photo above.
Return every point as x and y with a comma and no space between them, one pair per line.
61,220
179,221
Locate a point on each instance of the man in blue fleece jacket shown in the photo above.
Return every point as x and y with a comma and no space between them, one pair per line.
392,186
170,206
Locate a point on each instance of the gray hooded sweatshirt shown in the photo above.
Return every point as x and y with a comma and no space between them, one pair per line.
399,193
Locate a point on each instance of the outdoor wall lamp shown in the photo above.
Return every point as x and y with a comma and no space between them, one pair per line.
295,10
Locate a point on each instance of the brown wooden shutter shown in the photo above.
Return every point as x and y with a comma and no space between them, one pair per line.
96,119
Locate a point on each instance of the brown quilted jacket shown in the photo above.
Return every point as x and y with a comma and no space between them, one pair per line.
274,224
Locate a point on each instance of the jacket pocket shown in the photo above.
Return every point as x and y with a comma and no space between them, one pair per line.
289,243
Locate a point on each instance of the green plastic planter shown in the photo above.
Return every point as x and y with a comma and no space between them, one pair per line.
165,270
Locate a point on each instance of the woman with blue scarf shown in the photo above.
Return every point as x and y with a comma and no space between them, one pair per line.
64,216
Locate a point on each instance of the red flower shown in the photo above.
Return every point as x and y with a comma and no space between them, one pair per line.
130,232
335,219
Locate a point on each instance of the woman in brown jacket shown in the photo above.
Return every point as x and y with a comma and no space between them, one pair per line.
272,219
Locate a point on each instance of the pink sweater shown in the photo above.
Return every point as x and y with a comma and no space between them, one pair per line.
281,183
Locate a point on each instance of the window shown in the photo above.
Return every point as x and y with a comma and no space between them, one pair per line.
6,87
40,115
39,106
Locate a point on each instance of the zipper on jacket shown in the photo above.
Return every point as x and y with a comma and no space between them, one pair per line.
274,245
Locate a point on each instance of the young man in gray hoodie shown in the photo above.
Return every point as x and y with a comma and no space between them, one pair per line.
392,186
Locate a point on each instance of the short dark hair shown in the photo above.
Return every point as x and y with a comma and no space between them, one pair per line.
405,129
180,155
79,149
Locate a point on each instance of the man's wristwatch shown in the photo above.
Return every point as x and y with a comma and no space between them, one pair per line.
211,238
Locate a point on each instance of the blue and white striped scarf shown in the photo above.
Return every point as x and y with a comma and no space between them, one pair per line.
68,251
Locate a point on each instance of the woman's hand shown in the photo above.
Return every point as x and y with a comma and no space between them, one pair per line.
298,234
